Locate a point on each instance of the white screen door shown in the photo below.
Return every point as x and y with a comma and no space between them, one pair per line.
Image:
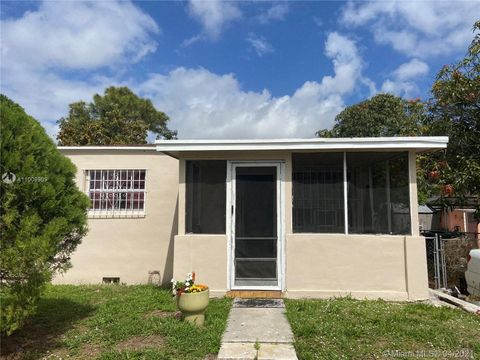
256,228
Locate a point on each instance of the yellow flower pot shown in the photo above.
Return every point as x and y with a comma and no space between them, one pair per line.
193,306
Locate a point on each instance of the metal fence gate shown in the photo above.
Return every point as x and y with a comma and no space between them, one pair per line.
447,258
437,267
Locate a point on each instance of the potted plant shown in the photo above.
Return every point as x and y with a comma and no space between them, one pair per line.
192,299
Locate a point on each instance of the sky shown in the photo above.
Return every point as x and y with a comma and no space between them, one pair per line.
229,69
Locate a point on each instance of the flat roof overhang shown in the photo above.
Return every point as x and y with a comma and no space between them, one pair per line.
415,143
145,147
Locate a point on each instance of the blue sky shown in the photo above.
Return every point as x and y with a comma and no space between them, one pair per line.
229,69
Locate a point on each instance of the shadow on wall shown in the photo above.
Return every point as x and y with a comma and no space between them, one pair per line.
168,270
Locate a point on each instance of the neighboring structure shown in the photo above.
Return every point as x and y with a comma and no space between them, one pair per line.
457,214
428,218
310,217
459,220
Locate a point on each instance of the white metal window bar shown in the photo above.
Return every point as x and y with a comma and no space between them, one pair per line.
117,192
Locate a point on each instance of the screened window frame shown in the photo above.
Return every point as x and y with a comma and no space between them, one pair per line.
345,196
317,180
188,212
114,211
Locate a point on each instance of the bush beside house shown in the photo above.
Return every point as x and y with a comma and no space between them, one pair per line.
43,214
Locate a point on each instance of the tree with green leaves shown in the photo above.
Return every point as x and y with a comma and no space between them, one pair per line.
385,115
381,115
43,214
454,110
119,117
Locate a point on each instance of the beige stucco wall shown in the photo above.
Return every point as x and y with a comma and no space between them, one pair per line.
321,265
207,256
363,266
128,247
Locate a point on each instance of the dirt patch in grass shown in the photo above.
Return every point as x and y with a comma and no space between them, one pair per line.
20,345
89,351
42,332
141,342
210,357
159,314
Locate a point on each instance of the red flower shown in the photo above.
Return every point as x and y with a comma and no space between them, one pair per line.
448,189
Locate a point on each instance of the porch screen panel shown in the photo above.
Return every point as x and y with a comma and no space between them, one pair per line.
378,193
318,200
205,204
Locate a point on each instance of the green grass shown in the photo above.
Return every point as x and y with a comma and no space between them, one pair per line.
351,329
115,322
136,322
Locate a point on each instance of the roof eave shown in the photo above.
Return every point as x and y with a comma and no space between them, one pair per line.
344,144
107,148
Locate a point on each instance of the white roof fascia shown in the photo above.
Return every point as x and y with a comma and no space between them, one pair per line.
374,143
125,148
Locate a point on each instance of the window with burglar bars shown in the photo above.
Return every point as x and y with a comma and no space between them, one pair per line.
116,191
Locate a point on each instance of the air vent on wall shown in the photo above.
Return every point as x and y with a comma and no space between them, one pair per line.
111,280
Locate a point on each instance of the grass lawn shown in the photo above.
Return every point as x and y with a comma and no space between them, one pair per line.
352,329
114,322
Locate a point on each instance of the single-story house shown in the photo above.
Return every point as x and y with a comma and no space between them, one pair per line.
304,217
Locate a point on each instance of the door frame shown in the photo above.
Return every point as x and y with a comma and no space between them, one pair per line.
230,221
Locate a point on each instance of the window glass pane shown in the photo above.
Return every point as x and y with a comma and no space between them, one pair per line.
378,193
205,196
318,204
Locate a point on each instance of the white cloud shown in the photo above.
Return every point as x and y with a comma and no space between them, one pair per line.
202,104
46,96
277,11
416,28
347,64
318,21
259,44
400,88
411,70
78,35
403,78
214,15
192,40
43,50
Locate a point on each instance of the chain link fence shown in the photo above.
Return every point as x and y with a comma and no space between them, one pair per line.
447,258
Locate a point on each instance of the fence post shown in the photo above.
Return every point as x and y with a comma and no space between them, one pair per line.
436,262
443,262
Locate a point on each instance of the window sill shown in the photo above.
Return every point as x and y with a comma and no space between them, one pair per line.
348,235
116,214
207,234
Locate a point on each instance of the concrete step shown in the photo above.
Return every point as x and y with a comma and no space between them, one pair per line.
257,321
248,325
255,294
247,351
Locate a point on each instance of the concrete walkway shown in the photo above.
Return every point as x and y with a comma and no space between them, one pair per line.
257,329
